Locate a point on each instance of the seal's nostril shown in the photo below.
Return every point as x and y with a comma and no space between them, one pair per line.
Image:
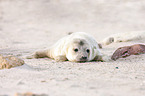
84,57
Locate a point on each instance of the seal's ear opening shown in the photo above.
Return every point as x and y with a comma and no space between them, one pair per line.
69,33
100,46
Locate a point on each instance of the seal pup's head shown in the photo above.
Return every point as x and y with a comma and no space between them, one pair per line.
78,50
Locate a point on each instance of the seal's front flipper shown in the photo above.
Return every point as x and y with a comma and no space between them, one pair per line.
60,58
102,58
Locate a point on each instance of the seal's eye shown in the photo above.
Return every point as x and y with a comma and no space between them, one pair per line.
88,50
76,50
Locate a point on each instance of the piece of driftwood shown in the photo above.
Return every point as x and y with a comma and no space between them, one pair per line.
125,51
29,94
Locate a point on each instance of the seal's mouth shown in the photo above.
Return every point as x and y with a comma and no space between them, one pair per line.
82,60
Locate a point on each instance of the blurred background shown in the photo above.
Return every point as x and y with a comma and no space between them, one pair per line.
49,20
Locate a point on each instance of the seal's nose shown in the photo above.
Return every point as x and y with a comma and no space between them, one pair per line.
84,58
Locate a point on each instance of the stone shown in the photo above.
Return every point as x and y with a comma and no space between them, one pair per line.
126,51
7,62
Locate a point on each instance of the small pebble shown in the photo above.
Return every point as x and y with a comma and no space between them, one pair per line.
116,67
43,81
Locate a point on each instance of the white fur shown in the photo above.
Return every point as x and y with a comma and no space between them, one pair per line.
63,49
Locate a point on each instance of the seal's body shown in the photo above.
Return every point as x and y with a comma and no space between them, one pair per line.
76,47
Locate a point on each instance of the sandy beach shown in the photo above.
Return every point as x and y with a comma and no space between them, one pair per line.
30,25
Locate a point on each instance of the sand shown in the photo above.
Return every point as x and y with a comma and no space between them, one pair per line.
30,25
